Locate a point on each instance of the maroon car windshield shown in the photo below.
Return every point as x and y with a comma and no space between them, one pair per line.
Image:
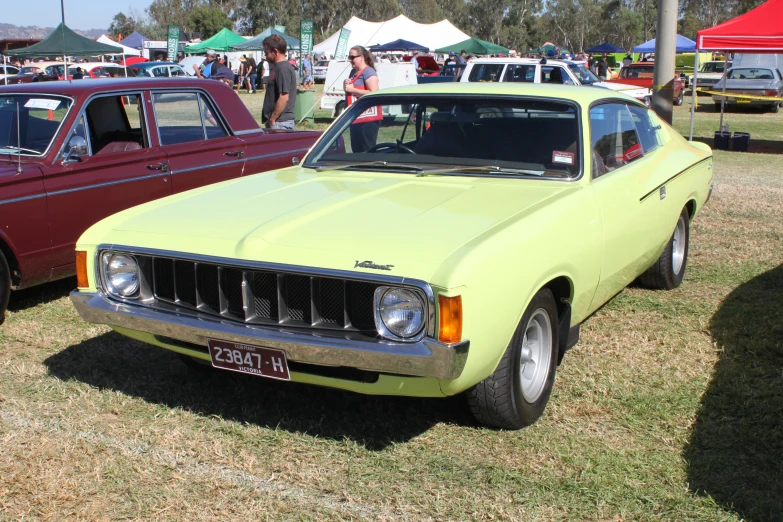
29,123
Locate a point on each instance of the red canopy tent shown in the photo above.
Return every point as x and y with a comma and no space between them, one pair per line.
759,30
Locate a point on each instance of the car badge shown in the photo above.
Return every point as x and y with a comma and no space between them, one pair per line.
373,266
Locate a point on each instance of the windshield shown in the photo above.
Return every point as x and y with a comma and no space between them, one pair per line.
586,77
39,117
427,134
714,67
751,74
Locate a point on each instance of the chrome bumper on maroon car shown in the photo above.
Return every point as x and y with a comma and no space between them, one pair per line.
426,358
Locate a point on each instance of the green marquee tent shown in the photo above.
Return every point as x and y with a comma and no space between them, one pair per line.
256,43
220,42
64,42
473,46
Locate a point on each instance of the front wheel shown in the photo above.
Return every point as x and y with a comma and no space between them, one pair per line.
669,269
678,101
5,286
516,394
338,110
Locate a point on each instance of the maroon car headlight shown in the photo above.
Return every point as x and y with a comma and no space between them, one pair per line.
120,274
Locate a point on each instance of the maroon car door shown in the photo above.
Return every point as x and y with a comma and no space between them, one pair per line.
199,148
275,149
120,168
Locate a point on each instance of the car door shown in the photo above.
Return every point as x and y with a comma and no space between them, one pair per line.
121,168
199,148
621,176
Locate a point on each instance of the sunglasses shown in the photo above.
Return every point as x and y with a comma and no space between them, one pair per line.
352,56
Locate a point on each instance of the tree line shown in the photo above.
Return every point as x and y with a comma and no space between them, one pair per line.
516,24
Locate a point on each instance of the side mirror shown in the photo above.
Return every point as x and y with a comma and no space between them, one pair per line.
77,147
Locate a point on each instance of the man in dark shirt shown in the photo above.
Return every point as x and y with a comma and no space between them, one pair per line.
602,67
280,97
462,59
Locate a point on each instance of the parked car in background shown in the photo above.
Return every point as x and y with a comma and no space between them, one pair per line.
448,73
158,70
709,74
319,71
757,82
37,72
389,75
641,75
8,70
188,62
458,253
72,153
534,70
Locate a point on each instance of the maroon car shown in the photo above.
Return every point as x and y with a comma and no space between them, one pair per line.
72,153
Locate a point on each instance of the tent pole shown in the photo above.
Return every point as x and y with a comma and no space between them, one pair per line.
723,101
693,91
5,71
65,60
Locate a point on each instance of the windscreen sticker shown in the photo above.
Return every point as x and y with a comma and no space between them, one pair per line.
39,103
562,157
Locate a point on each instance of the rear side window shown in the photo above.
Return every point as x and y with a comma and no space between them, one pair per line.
613,136
520,73
486,72
185,118
645,128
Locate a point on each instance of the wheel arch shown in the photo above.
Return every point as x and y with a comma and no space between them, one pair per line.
691,207
13,262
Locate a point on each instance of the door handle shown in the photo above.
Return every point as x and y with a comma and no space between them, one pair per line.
237,153
159,166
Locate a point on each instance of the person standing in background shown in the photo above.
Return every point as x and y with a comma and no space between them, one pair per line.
628,60
602,67
280,97
362,80
252,75
264,73
307,71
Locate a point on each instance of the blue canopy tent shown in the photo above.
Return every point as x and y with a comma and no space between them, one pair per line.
399,45
684,45
134,40
606,47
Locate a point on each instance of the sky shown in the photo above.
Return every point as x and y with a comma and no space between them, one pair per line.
79,14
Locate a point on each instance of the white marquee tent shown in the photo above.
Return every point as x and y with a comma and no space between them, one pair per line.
367,33
121,49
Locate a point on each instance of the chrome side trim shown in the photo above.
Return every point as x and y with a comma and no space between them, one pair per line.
275,267
210,166
23,198
107,184
426,358
273,154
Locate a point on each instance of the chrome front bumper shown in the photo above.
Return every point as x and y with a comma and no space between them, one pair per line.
426,358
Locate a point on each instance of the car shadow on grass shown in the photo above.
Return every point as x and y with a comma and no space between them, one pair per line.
36,295
111,361
735,454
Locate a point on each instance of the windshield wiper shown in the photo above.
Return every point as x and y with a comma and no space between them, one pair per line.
19,149
489,169
385,165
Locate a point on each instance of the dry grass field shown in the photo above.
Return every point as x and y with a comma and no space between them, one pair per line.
669,408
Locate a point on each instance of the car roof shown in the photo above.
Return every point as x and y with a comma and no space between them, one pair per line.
151,64
521,60
99,85
581,94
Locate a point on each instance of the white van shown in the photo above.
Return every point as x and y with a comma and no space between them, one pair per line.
389,75
534,70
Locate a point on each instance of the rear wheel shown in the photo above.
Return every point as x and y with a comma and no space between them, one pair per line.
5,286
669,269
678,101
775,108
339,108
516,394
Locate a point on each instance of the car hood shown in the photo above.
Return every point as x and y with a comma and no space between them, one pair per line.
332,219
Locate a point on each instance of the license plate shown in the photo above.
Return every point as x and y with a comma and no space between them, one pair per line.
246,358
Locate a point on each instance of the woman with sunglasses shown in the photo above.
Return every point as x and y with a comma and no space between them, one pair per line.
362,79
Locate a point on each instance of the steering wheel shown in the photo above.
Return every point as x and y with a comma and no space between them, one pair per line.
387,144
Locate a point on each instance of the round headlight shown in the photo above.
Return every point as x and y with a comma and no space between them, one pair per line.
402,312
122,275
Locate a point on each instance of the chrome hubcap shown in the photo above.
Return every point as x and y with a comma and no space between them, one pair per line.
535,355
678,246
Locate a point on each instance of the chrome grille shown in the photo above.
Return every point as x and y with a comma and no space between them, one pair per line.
257,296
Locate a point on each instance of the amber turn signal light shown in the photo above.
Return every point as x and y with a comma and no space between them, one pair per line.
450,319
82,281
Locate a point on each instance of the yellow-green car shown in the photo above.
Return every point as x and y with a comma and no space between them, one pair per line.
438,239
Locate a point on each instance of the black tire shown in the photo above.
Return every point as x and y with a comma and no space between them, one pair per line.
678,101
5,286
664,274
498,401
775,108
339,108
717,107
